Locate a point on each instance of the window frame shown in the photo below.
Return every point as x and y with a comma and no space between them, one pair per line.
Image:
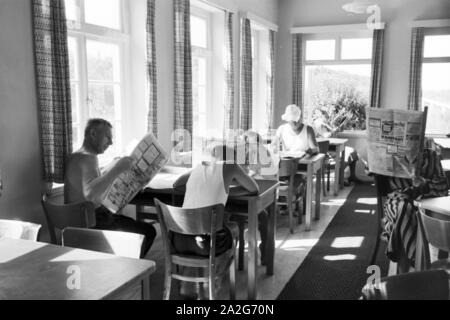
434,32
337,37
83,32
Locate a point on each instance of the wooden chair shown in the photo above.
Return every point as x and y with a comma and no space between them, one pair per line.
286,174
426,285
434,229
124,244
59,215
204,221
19,230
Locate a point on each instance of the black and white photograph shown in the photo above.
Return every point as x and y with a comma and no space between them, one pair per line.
248,151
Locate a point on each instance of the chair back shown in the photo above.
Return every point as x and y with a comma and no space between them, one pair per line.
426,285
288,167
60,216
19,230
436,229
124,244
324,146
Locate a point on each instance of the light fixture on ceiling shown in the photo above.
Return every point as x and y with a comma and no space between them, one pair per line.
357,6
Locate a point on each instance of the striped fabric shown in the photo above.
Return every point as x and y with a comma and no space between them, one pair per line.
297,71
271,81
53,86
246,76
377,67
229,72
415,69
151,69
183,72
400,223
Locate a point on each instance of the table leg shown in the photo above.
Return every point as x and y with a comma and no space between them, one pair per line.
271,232
337,170
318,191
342,167
309,190
252,247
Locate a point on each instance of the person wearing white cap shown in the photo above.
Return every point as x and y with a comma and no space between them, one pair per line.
295,136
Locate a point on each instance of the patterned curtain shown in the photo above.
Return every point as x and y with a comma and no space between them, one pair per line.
246,76
151,69
229,72
271,81
415,69
53,86
297,71
377,67
183,71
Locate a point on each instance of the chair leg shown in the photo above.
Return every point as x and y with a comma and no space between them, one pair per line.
323,182
328,178
291,216
167,285
241,225
233,279
297,207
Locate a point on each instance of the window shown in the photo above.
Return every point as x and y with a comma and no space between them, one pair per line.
337,80
207,43
261,74
96,41
436,81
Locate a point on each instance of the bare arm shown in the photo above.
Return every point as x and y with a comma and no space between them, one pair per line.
233,172
94,184
312,142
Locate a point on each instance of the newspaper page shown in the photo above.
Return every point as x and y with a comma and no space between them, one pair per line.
394,138
149,157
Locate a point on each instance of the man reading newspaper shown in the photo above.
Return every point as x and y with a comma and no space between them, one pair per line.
85,182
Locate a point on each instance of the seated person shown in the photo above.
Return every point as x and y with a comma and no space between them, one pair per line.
85,182
400,222
206,185
295,136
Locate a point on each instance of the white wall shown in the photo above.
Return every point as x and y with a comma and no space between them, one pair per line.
19,143
396,13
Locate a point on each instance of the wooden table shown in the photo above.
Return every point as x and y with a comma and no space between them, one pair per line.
338,146
39,271
313,166
249,205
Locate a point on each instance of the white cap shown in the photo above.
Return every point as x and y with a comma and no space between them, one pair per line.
292,113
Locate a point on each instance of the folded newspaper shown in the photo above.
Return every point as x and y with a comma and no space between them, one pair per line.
394,141
149,157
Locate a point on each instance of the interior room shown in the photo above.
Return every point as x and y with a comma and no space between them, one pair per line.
224,149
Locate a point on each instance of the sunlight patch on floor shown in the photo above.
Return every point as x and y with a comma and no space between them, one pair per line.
340,257
369,201
347,242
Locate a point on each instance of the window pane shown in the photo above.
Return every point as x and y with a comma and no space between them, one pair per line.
357,48
75,105
320,49
199,32
336,96
103,61
73,58
104,100
72,10
105,13
437,46
436,95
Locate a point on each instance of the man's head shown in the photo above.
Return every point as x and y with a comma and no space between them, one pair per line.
293,116
98,135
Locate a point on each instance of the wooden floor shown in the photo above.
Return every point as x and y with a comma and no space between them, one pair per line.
291,250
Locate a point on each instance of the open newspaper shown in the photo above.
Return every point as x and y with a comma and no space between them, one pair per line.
149,157
394,141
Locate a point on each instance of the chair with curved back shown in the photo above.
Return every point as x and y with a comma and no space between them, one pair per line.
60,215
19,230
425,285
201,221
286,174
124,244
